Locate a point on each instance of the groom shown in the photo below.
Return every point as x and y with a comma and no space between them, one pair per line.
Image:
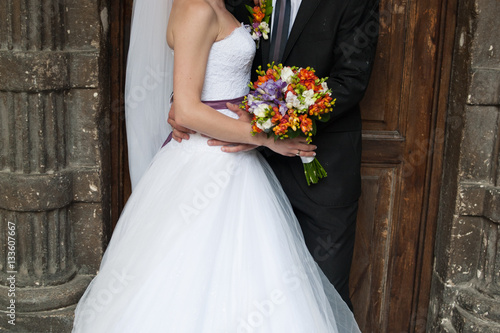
338,39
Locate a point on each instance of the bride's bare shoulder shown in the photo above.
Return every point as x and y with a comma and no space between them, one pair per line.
191,18
193,10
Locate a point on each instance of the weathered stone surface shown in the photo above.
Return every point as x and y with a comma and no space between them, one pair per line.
465,322
19,192
485,87
465,295
480,200
53,153
486,44
85,115
91,235
478,146
38,299
486,309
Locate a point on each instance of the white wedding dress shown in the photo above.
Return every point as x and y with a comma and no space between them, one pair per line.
208,242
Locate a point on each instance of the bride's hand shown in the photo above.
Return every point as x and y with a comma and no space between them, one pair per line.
291,147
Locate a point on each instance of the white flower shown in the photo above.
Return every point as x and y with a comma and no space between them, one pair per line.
292,101
250,99
324,85
265,126
309,98
287,74
264,28
260,110
255,36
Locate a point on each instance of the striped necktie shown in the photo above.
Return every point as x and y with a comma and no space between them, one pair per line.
281,26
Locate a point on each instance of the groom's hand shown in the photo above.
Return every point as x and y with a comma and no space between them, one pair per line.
232,147
179,133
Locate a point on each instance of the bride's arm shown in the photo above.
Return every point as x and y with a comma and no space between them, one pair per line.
194,29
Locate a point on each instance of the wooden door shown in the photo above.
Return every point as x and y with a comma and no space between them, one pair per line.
403,133
403,121
120,14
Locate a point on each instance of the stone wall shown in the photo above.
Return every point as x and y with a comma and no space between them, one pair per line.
53,155
465,294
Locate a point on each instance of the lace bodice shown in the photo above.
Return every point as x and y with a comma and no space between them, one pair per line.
227,77
229,65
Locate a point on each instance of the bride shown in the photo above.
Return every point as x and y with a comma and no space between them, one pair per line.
208,241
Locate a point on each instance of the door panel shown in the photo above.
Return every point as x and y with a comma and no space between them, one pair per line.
369,270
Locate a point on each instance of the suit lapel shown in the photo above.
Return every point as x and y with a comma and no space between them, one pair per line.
306,9
265,46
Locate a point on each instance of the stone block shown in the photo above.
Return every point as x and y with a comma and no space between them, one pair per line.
28,192
486,39
83,25
83,107
484,87
480,200
86,186
84,69
466,240
472,198
90,235
28,71
483,306
478,144
464,322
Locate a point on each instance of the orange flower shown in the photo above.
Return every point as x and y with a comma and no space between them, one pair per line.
309,84
307,74
260,80
276,118
255,129
281,129
306,124
258,15
294,121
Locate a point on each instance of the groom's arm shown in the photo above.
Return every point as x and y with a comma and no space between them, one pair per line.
356,43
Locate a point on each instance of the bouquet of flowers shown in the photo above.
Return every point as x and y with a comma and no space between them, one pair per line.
259,19
286,102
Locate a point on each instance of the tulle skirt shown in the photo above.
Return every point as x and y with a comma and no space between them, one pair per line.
208,243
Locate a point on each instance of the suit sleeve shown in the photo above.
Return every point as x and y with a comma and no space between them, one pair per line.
354,53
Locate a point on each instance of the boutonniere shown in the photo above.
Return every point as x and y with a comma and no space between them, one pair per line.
259,20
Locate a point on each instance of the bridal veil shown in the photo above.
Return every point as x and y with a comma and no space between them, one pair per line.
149,84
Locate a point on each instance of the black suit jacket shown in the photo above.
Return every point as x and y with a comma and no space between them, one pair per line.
338,39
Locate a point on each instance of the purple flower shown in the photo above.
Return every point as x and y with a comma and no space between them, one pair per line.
272,90
282,107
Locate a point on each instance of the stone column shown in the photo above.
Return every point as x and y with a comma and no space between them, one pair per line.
465,295
53,157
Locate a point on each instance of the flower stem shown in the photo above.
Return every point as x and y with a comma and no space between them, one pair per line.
314,171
